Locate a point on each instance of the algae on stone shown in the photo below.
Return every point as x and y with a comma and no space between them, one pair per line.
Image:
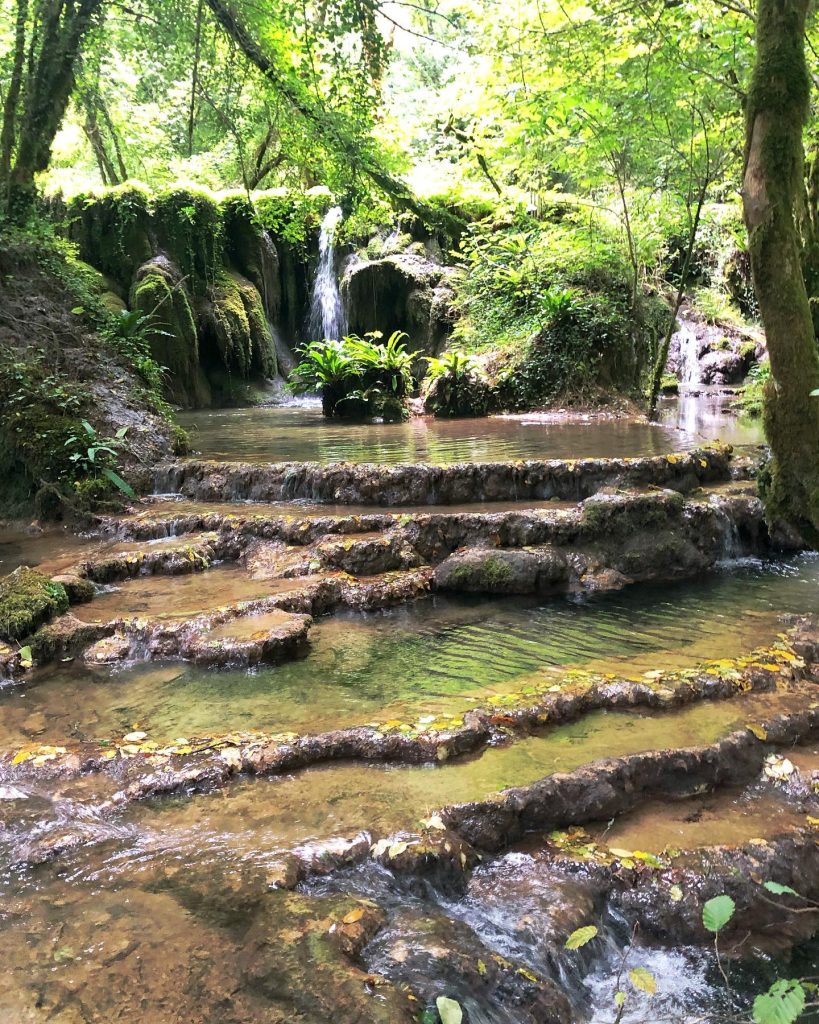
28,599
113,230
159,290
188,224
234,318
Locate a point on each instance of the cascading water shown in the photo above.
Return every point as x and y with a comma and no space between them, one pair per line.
327,319
688,363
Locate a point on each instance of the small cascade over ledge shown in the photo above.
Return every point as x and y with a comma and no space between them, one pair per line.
327,319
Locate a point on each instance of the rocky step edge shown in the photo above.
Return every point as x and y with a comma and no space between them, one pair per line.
423,484
608,542
445,852
149,769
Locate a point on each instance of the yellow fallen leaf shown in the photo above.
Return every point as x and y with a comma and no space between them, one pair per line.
22,755
354,915
436,822
135,737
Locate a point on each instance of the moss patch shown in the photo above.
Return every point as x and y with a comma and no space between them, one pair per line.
28,599
236,322
113,230
189,226
174,340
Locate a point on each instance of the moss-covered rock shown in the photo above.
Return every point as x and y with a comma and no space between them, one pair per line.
233,322
502,571
250,249
159,290
403,292
28,599
188,224
113,230
607,514
78,589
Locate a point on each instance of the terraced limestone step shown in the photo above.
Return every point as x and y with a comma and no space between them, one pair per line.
424,484
604,543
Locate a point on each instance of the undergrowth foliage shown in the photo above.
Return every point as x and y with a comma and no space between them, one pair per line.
48,443
357,377
554,300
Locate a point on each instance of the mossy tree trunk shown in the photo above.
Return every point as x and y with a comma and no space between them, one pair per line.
57,33
773,194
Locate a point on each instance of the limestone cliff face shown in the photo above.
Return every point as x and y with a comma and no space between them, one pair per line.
207,273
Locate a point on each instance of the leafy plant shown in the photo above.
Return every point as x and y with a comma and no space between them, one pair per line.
95,456
717,912
751,399
557,302
581,936
357,376
455,386
449,1010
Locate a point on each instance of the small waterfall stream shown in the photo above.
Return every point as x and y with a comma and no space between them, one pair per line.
688,362
327,319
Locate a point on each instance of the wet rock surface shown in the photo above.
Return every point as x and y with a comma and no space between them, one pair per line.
316,564
233,875
427,484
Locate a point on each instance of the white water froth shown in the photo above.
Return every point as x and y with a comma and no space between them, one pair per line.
327,319
688,357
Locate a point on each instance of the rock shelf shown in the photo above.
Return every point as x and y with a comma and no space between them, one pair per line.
313,565
424,484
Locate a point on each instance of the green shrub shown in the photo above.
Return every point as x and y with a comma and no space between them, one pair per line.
554,300
751,399
455,386
292,216
357,376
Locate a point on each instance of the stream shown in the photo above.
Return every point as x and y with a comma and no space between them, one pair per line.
264,897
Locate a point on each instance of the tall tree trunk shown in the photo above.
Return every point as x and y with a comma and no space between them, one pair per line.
772,193
13,94
49,84
113,134
94,135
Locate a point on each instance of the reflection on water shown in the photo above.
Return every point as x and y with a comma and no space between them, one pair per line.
706,414
287,434
432,657
53,549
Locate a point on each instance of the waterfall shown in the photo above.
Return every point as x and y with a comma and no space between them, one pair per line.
688,355
327,318
285,360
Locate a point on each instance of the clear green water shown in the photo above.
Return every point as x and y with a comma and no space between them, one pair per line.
438,656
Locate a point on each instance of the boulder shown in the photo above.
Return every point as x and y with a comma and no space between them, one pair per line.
28,600
403,292
502,571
